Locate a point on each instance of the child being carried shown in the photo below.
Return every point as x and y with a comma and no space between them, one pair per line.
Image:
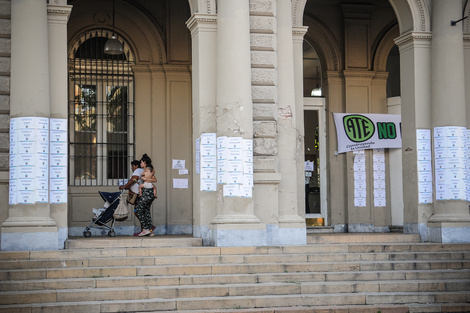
148,177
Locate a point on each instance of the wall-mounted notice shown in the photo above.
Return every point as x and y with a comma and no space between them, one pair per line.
58,161
379,178
467,164
228,161
198,155
208,161
450,162
178,164
424,154
29,158
360,183
180,183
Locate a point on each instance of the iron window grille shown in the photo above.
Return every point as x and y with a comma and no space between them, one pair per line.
101,112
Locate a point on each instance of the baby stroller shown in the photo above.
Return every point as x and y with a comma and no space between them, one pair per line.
104,215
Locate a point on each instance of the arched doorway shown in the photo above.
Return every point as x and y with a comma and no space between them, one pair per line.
349,49
154,77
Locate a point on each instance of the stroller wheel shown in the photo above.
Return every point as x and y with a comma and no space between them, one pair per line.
87,233
111,233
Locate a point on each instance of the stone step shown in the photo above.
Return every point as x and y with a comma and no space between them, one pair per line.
223,259
133,242
425,299
129,278
231,290
189,241
243,251
397,308
315,238
216,269
298,277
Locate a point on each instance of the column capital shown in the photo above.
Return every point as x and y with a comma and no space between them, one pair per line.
298,33
58,12
198,21
411,39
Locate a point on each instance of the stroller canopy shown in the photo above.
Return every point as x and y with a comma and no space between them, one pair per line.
109,197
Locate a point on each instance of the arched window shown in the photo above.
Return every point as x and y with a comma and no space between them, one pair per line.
312,72
101,112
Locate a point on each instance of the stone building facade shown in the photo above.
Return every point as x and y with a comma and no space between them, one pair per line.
268,72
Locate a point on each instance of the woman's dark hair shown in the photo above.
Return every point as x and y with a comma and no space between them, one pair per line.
135,163
146,159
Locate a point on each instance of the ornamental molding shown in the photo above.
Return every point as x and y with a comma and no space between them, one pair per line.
59,10
359,74
201,19
380,75
413,37
320,34
422,14
299,30
298,7
384,47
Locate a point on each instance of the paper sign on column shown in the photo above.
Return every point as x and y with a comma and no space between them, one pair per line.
246,191
208,184
451,157
379,184
467,164
248,169
208,139
58,161
209,173
57,197
28,150
198,155
424,155
360,192
231,190
208,162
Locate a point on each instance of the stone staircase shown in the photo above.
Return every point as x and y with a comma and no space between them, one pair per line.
376,273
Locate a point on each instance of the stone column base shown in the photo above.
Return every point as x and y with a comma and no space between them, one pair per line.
29,238
286,236
449,228
238,235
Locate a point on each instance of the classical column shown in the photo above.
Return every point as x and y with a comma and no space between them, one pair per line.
203,29
58,15
291,224
334,93
235,223
451,220
415,81
298,34
29,226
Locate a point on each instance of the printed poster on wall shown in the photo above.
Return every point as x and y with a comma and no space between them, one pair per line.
356,131
29,157
58,161
228,161
450,162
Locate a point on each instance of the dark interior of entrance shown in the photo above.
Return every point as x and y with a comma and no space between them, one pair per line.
312,162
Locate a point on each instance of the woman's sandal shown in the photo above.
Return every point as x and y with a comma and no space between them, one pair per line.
144,233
